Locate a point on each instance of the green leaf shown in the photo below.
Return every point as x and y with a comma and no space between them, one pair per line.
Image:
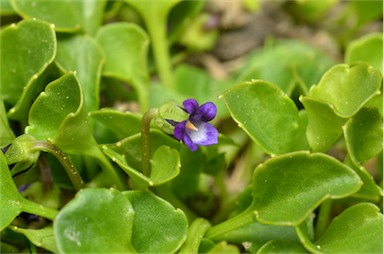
12,202
58,115
359,229
43,238
31,91
281,246
364,135
294,64
126,47
24,61
348,87
6,133
66,15
165,165
268,115
9,195
122,124
82,55
96,220
368,49
157,227
286,189
324,126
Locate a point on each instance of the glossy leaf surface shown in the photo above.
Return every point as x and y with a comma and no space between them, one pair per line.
280,246
24,62
348,87
364,135
324,126
358,229
268,115
67,15
157,227
82,55
305,180
92,222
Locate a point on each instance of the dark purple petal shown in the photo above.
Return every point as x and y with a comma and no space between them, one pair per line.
191,105
205,135
179,130
206,112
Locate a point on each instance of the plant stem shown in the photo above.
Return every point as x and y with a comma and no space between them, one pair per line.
158,33
146,140
37,209
195,234
323,218
240,220
64,160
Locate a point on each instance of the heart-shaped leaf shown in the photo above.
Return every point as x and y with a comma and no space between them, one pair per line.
359,229
305,180
96,220
126,47
348,87
324,126
268,115
368,49
66,15
364,135
82,54
24,61
58,115
157,227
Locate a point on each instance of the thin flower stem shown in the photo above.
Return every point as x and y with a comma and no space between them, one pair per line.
146,140
323,217
64,160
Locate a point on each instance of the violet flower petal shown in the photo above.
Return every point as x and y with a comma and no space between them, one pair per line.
191,145
206,112
179,130
191,106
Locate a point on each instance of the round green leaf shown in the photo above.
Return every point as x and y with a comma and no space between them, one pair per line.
269,116
126,47
95,221
84,56
286,189
157,227
348,87
66,15
367,49
324,126
359,229
364,135
23,62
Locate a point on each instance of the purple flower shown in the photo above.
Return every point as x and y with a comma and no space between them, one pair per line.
196,130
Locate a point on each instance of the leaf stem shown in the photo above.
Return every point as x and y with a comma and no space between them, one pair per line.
146,140
64,160
323,218
158,33
246,217
195,234
37,209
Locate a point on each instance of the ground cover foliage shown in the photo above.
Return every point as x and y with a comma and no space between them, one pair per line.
106,145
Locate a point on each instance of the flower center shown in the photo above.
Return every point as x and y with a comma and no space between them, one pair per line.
190,126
